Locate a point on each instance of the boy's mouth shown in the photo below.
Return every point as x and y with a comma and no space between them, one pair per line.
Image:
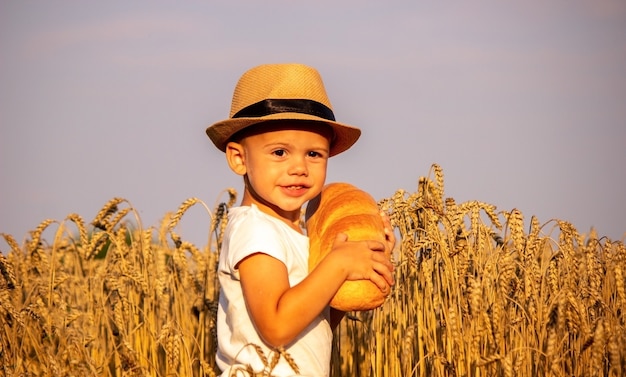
295,190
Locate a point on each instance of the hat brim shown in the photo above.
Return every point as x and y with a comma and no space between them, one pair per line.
344,135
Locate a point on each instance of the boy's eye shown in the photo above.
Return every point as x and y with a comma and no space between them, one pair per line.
314,154
279,152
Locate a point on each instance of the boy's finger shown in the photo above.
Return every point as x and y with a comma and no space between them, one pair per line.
385,279
386,219
380,281
375,245
341,237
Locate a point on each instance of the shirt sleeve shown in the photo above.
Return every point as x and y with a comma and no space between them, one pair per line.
255,235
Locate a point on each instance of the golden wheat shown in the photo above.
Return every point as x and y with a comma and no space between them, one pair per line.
472,297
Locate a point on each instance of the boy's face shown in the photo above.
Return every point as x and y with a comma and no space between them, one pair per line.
284,166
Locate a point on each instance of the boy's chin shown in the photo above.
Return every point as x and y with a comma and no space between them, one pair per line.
291,208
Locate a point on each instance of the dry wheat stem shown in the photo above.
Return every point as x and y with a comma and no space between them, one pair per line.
470,298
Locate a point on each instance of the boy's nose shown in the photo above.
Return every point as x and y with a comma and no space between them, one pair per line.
298,167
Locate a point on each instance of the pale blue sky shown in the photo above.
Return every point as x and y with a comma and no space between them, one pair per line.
522,103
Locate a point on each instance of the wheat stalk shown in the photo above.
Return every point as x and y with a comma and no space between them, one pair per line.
470,299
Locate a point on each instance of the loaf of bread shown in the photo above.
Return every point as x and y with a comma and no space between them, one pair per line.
344,208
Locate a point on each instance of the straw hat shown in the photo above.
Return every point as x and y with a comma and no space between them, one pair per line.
281,91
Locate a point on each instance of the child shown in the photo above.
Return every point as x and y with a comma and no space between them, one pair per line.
279,136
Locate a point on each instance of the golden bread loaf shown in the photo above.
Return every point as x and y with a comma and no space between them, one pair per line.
344,208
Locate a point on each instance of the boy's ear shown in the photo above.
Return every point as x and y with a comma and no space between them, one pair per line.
236,157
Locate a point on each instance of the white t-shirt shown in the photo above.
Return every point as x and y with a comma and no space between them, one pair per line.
251,231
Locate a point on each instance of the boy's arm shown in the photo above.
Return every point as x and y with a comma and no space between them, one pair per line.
336,316
281,312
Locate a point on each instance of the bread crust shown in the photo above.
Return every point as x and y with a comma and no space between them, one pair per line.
344,208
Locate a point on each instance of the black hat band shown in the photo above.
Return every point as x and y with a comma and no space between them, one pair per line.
275,106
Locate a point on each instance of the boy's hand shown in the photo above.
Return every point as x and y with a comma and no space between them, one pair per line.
390,237
365,260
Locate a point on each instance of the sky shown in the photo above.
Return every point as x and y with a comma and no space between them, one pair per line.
522,103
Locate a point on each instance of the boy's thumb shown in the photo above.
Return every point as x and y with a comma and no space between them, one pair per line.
341,237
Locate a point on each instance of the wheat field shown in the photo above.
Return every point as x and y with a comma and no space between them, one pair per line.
478,293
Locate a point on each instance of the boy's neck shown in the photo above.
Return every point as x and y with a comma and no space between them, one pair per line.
291,218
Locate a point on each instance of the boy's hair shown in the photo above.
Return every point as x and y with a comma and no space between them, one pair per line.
281,92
